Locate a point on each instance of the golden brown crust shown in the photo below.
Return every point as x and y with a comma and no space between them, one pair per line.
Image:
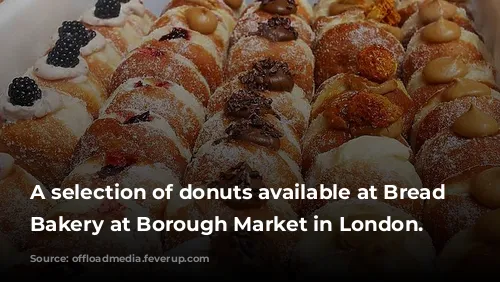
138,141
249,50
162,65
42,146
444,115
447,155
203,59
338,48
419,56
124,38
104,69
161,100
17,207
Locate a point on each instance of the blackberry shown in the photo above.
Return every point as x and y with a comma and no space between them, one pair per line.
76,29
23,91
65,53
107,9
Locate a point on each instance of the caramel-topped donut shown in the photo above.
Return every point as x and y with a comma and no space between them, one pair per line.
163,65
277,40
273,80
227,10
199,19
430,11
192,45
249,22
460,158
349,106
442,38
350,44
361,253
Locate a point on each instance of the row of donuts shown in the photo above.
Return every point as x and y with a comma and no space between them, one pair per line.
455,136
45,112
255,121
142,135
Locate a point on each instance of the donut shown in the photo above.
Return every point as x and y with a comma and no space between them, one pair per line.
199,19
348,106
192,45
115,23
107,242
41,128
276,40
362,254
135,136
66,71
214,158
16,187
362,162
248,24
464,158
101,171
429,12
383,11
227,10
268,79
101,55
472,250
350,44
163,65
256,209
442,38
180,109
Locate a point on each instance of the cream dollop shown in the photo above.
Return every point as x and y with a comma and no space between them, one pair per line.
95,45
6,164
50,102
49,72
89,18
134,7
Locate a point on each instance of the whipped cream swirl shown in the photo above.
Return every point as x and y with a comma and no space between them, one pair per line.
89,18
134,7
50,102
50,72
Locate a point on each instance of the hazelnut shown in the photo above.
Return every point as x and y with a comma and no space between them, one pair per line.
444,70
234,4
202,20
466,87
441,31
432,10
475,123
485,188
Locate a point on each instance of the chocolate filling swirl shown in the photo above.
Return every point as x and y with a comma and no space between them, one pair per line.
269,75
242,176
243,104
277,29
256,130
279,7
